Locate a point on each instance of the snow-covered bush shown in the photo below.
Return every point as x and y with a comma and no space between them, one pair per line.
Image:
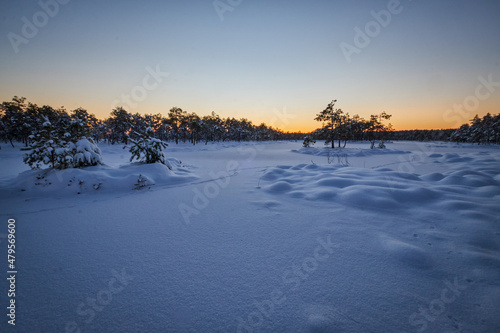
147,149
58,148
47,148
143,182
308,142
85,153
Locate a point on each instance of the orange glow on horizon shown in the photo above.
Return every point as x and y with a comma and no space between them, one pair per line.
294,120
309,129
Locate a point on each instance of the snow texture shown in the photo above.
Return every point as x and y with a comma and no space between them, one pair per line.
269,239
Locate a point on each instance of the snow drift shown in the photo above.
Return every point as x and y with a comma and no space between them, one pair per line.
101,178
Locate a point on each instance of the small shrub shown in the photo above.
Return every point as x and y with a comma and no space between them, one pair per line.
147,149
308,142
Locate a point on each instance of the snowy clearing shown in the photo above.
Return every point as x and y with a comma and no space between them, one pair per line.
101,178
266,237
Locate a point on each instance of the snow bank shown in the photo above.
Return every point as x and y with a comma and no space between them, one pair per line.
101,178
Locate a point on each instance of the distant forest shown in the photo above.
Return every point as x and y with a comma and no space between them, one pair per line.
484,130
20,121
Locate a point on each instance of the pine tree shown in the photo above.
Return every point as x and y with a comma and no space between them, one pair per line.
12,115
84,153
118,124
63,146
147,149
332,121
377,130
47,148
308,142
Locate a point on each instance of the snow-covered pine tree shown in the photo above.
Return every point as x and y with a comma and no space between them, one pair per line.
147,149
63,146
83,149
47,148
84,152
308,142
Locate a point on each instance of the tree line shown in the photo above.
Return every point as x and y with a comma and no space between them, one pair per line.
480,130
339,126
485,130
20,121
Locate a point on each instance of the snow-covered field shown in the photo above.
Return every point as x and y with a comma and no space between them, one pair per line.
266,237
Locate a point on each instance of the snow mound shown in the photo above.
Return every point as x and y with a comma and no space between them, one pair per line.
100,178
406,253
384,188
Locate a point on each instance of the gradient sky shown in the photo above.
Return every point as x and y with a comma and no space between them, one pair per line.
264,59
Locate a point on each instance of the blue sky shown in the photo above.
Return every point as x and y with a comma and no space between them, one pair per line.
278,62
